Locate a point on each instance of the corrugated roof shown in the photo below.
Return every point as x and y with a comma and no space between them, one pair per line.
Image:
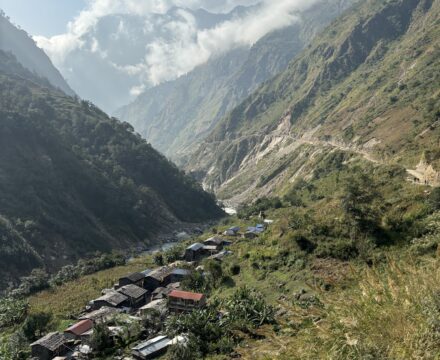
113,297
51,341
154,304
215,240
132,291
195,247
134,277
182,272
160,273
186,295
105,311
152,346
80,327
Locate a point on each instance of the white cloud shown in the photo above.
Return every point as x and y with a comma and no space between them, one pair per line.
185,46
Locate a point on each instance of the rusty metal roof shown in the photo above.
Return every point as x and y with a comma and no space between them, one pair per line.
185,295
80,327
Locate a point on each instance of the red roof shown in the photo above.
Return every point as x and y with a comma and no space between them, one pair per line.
80,327
186,295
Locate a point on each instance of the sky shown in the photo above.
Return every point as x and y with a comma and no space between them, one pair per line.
142,43
42,17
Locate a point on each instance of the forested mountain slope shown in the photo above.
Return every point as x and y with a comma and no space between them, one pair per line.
368,84
29,55
177,115
74,181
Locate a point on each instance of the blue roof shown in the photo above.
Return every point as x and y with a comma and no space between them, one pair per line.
260,226
234,229
182,272
195,247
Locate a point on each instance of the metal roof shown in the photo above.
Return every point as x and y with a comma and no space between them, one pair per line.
152,346
103,312
51,341
134,277
195,247
80,327
215,240
132,291
185,295
155,304
160,273
182,272
113,297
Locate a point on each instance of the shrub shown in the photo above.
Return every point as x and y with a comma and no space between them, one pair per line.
337,249
247,308
12,311
235,269
36,325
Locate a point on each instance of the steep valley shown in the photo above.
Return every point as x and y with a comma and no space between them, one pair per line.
368,86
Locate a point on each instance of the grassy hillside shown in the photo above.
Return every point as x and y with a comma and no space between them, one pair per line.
350,266
73,180
368,83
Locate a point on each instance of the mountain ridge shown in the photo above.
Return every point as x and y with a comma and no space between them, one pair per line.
19,43
177,115
328,92
74,181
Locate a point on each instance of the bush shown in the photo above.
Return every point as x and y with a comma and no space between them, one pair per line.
434,199
12,311
260,205
337,249
100,340
36,325
235,269
247,309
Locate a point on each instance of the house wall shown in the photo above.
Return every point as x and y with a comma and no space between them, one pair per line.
151,284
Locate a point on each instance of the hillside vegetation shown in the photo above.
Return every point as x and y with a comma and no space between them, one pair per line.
74,181
347,270
19,43
367,84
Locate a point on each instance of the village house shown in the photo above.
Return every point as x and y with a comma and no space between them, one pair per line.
75,331
151,348
136,295
220,255
233,231
132,279
184,301
157,278
250,235
177,275
101,316
116,333
49,346
214,241
194,252
110,299
159,306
